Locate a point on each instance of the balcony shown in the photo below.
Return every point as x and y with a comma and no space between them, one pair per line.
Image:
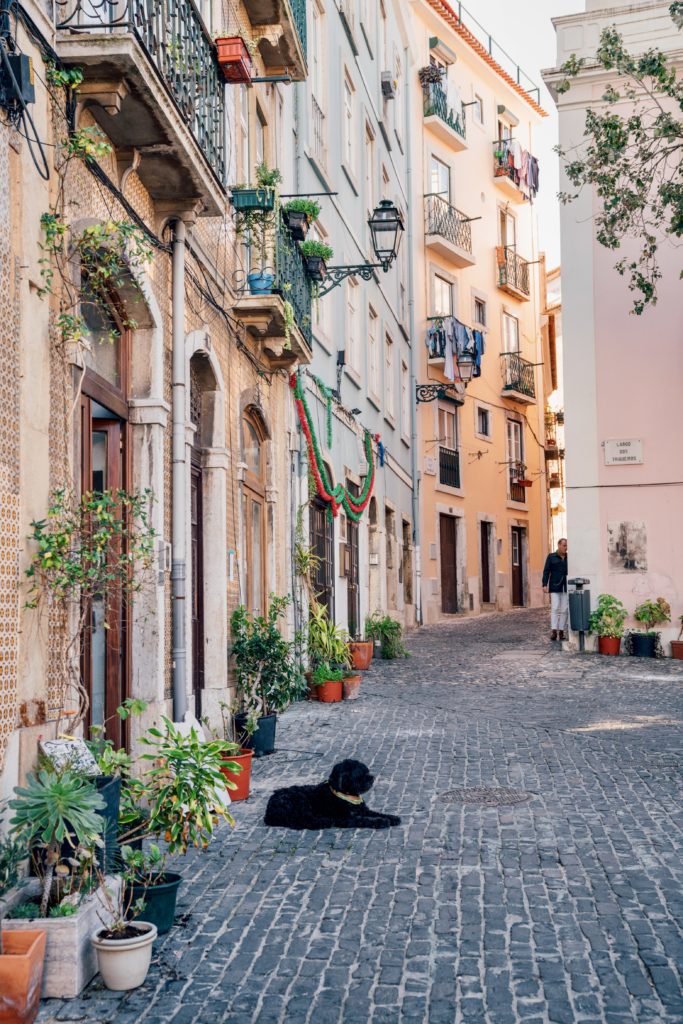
517,491
439,116
513,272
283,35
504,173
448,231
265,316
518,378
449,467
154,87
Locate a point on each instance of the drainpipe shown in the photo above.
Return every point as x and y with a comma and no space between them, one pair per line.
413,355
179,477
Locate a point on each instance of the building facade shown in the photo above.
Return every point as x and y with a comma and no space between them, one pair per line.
624,462
555,447
482,486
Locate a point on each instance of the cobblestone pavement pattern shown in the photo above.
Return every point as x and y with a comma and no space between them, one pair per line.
567,906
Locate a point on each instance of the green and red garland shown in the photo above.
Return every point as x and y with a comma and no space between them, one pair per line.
337,497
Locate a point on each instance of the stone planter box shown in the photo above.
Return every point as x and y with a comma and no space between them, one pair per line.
70,958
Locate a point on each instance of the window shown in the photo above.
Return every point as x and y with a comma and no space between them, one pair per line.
389,376
405,400
448,427
508,228
510,333
478,109
349,133
369,168
245,176
479,311
352,332
515,446
483,421
254,514
315,50
440,178
443,296
383,56
373,354
260,140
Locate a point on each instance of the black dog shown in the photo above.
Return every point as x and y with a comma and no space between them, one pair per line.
336,803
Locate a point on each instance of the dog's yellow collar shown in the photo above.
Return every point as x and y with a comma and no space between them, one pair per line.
346,796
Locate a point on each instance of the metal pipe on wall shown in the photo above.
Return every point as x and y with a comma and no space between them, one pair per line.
179,478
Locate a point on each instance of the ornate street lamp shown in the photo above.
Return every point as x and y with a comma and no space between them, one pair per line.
386,228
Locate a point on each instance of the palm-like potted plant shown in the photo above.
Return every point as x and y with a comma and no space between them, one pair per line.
387,636
298,214
330,657
21,953
267,676
607,622
316,257
650,614
677,645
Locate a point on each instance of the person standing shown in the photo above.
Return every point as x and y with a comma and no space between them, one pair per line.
555,584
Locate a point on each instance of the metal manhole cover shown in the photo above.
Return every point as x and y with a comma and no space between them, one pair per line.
487,797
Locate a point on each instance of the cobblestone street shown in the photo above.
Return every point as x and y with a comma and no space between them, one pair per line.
565,906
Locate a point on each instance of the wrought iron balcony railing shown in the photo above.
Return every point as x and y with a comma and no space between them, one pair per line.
518,374
173,37
299,15
443,219
435,101
292,281
513,270
517,490
449,467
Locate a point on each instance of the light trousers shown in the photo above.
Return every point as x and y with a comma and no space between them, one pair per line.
559,608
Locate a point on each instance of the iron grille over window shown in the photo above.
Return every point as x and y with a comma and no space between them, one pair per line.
449,467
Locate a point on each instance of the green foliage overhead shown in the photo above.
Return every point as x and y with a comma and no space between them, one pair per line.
633,156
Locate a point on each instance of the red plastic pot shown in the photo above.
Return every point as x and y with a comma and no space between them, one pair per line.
241,779
361,654
234,59
330,692
609,644
351,687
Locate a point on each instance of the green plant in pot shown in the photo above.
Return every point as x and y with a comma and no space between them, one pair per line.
607,622
316,257
298,214
237,760
677,645
387,636
644,644
21,953
257,210
268,678
329,654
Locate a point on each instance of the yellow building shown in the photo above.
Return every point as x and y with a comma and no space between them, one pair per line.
482,487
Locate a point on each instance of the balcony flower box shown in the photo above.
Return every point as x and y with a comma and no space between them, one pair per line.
245,199
234,59
316,254
523,483
315,267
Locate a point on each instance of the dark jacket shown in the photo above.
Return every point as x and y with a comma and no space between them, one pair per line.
555,573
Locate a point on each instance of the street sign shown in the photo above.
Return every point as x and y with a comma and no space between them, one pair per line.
628,452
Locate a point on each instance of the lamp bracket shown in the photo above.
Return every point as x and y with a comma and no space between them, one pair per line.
335,275
432,392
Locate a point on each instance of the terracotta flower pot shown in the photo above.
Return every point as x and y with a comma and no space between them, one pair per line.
677,649
234,59
609,644
330,692
312,688
351,687
361,654
241,779
21,975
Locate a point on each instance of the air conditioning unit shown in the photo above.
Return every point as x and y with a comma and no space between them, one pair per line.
389,85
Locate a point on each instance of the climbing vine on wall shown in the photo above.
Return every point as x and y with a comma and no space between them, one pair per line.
337,497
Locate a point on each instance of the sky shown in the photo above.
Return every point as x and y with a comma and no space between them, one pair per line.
524,29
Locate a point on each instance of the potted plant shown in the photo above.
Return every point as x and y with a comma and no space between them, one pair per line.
298,214
316,255
65,900
651,614
386,633
361,654
268,679
234,59
607,622
237,760
677,645
430,74
328,683
21,953
351,685
124,945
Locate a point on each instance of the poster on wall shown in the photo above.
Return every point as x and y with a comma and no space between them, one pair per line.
627,547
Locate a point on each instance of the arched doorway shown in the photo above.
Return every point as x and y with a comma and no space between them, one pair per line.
254,511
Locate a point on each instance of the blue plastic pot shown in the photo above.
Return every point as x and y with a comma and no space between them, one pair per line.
260,283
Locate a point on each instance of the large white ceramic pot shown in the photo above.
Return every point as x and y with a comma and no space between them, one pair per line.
124,963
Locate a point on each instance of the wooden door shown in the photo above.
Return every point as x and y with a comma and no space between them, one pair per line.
196,532
449,572
517,542
352,583
322,543
485,563
104,658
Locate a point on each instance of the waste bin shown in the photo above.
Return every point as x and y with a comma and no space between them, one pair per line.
579,608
